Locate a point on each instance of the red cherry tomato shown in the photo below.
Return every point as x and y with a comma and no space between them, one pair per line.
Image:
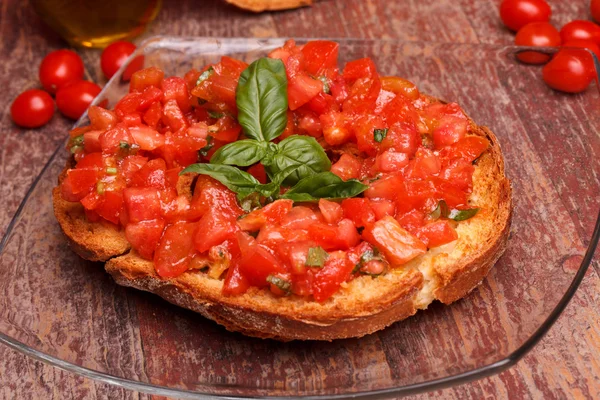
580,29
584,44
59,68
73,99
517,13
114,55
595,10
568,71
537,34
32,108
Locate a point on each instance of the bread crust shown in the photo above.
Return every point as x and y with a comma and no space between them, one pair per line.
362,306
269,5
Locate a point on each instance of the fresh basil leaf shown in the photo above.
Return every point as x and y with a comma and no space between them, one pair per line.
316,257
380,134
461,215
242,153
302,151
233,178
261,99
324,185
205,75
454,214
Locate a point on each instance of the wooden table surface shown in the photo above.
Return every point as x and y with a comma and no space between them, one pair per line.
565,364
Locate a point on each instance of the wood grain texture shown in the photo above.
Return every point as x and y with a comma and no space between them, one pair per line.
566,364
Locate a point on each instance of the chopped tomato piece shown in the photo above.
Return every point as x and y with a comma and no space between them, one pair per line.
173,116
359,211
320,56
101,118
258,171
299,217
390,161
146,77
363,95
271,213
91,141
151,174
468,148
327,281
91,160
385,187
144,236
146,137
347,167
334,128
142,204
383,207
364,129
175,249
339,237
332,212
115,139
398,245
258,261
361,68
400,86
412,220
175,88
425,164
111,205
437,233
78,184
235,282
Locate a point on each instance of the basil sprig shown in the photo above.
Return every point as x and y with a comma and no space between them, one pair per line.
297,161
442,210
261,99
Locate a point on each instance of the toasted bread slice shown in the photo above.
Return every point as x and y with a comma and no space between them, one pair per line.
269,5
362,306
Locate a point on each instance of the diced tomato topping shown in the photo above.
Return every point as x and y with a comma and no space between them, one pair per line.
359,211
175,249
144,236
411,152
398,245
347,167
146,77
271,213
78,184
320,56
437,233
383,207
258,171
257,262
142,204
332,212
328,280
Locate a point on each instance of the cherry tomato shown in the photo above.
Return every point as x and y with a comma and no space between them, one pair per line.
73,99
59,68
114,55
537,34
32,108
580,29
595,10
517,13
568,71
584,44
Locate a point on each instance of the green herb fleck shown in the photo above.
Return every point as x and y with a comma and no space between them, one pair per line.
215,114
380,134
282,284
209,145
205,75
326,88
316,257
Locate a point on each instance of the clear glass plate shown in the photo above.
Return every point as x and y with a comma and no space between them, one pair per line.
68,312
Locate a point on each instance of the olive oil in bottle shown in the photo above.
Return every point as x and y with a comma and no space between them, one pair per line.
97,23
